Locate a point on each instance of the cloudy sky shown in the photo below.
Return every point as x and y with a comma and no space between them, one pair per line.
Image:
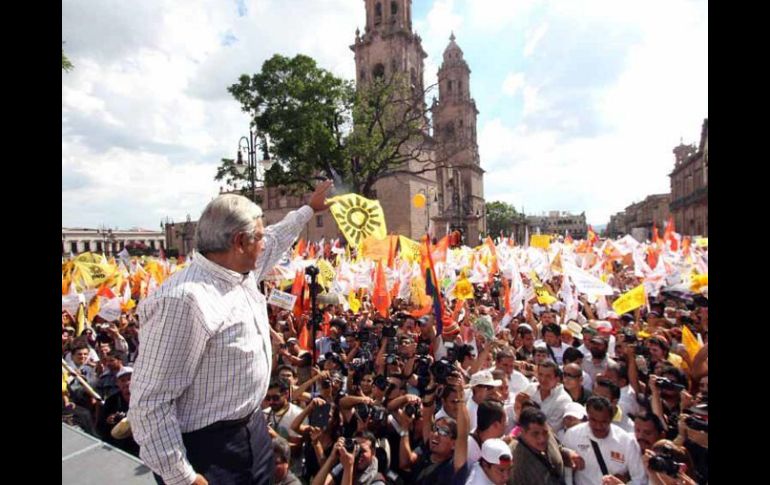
581,101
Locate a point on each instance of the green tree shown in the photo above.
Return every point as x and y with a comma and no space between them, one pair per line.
66,65
319,126
501,216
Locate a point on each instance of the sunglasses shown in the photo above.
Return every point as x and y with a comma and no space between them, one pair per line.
443,431
573,376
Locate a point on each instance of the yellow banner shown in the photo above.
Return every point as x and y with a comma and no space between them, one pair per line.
630,301
702,242
689,341
355,303
376,249
540,241
326,273
358,218
410,250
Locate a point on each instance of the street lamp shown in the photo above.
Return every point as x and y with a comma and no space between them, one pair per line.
428,192
107,236
255,170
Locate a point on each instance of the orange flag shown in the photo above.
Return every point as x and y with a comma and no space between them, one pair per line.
300,249
686,245
506,295
438,253
592,238
105,292
311,252
297,290
392,251
668,234
655,238
380,295
424,310
376,249
493,268
303,339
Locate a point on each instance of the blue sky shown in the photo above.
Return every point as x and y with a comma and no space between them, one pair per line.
581,101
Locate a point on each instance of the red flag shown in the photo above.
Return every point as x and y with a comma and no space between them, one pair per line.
592,238
311,252
303,339
380,295
655,237
668,234
105,292
297,290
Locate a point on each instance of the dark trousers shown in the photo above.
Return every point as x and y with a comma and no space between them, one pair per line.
231,453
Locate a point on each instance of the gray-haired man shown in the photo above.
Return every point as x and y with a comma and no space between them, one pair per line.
206,350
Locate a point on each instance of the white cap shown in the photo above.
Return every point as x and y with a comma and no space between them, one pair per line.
124,370
493,449
576,410
485,378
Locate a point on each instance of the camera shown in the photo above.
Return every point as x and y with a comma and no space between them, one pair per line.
422,366
378,414
665,384
336,347
641,349
696,423
412,410
442,369
350,445
664,462
363,411
381,382
391,359
389,331
320,415
423,348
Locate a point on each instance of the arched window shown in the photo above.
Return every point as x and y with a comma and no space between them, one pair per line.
379,71
393,8
449,85
378,14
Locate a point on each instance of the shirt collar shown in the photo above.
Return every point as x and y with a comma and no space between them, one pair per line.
227,275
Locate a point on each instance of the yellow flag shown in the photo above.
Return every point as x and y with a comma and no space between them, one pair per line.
92,269
354,302
543,296
689,341
80,320
376,249
325,273
410,250
629,301
358,218
540,241
698,281
556,266
463,288
702,242
93,308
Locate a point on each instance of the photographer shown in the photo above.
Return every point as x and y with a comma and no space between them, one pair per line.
320,434
693,435
114,411
291,354
666,464
280,415
442,456
357,463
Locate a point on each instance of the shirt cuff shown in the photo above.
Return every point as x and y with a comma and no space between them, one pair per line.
186,476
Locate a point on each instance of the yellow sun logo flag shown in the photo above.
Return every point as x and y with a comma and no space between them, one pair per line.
463,288
629,301
358,218
326,273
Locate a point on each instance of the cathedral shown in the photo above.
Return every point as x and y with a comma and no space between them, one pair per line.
455,190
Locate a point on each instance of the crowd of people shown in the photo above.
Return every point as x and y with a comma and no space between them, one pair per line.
391,399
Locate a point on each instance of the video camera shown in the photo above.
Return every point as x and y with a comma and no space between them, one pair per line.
441,369
665,384
665,462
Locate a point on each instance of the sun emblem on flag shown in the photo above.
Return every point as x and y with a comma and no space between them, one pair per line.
358,218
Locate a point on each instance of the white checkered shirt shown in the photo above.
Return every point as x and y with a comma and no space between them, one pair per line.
206,352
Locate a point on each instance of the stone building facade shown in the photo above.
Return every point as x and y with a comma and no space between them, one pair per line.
690,186
108,241
559,222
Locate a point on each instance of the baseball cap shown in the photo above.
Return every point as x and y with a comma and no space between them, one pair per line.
576,410
484,378
125,370
496,451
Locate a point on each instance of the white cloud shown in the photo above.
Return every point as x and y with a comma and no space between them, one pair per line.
533,38
513,83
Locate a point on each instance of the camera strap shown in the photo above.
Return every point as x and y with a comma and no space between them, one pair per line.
599,457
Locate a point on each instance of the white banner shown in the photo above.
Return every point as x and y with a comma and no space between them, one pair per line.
587,283
282,300
109,308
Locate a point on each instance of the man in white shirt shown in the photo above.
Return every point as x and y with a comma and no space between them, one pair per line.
619,451
482,385
280,414
516,381
549,393
554,345
610,391
492,419
206,350
494,466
